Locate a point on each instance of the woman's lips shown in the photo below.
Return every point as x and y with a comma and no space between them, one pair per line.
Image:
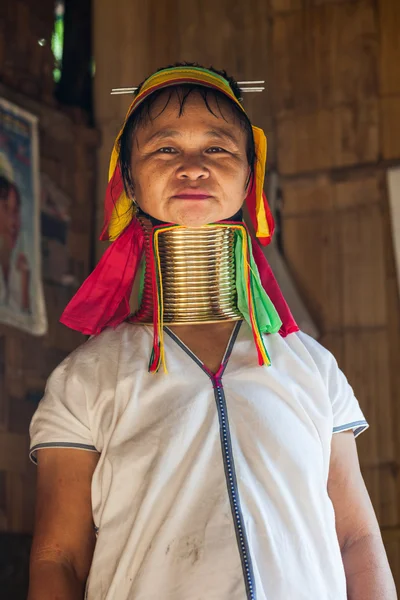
192,196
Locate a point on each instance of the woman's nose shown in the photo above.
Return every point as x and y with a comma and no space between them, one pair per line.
193,168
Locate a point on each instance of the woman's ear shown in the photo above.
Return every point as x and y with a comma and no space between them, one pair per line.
132,189
248,180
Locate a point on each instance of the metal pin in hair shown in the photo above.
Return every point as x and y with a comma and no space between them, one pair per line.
245,86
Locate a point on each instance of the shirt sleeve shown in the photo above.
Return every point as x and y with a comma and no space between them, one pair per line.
61,419
346,411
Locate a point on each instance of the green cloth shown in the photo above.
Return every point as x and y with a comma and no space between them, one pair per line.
141,282
266,314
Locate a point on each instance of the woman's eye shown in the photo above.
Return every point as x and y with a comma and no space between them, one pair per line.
215,150
167,150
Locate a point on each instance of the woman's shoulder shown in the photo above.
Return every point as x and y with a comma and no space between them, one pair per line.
104,348
311,351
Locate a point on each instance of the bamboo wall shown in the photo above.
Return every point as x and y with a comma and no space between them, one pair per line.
336,103
332,114
67,156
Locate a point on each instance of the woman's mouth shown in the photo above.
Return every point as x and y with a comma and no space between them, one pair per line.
192,195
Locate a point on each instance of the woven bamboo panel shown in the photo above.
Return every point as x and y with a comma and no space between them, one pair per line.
329,138
307,196
324,57
363,277
360,190
366,364
325,92
343,219
323,193
311,252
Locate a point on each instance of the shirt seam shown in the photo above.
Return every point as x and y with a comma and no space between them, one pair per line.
70,445
350,425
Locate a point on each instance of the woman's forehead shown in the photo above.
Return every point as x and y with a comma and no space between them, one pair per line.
172,106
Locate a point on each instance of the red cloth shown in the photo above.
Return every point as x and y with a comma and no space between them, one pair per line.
272,288
103,298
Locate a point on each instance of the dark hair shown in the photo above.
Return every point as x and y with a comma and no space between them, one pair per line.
5,188
143,113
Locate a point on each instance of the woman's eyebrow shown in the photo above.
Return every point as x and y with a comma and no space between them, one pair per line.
162,134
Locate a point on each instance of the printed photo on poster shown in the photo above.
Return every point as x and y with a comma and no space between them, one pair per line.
21,291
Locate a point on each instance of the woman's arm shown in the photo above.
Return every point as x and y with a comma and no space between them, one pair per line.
367,570
64,537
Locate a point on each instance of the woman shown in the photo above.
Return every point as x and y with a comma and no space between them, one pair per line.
195,436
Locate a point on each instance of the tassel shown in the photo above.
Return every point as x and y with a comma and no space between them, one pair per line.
158,353
155,359
253,301
263,356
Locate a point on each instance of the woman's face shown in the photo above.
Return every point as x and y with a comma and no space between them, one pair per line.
190,169
13,217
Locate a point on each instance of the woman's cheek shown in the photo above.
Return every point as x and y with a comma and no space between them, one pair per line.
151,189
159,168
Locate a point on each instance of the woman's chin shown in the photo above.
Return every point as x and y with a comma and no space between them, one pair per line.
194,214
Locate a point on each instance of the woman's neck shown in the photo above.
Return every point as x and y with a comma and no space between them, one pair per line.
198,274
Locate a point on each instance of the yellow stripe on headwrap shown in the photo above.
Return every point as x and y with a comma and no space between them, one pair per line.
121,217
122,212
260,141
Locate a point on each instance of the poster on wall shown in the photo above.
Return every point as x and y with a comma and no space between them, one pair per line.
21,291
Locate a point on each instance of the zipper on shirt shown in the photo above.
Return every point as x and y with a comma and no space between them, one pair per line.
229,465
232,489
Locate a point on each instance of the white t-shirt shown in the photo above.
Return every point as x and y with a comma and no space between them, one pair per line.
206,489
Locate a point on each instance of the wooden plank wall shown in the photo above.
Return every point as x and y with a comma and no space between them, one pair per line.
67,156
336,108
